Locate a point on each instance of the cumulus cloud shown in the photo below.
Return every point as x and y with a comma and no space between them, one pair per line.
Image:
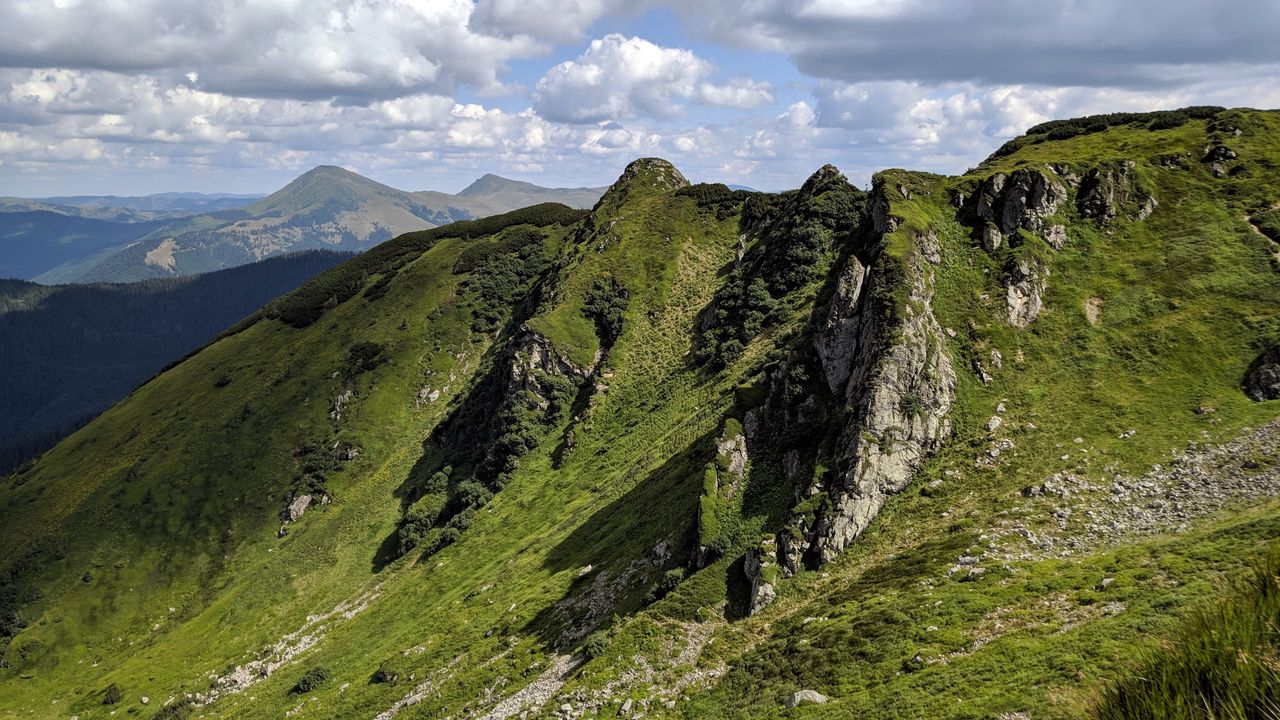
619,78
548,20
104,89
269,48
740,93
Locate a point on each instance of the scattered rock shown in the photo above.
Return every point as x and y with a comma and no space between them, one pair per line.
1218,153
805,697
1262,379
1056,236
994,423
296,508
1093,310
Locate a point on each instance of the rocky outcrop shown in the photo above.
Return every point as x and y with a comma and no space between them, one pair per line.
296,508
533,359
899,389
732,452
805,697
1024,199
762,573
1108,189
1262,380
646,175
837,339
1024,290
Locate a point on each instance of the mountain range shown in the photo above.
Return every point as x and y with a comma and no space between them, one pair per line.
106,239
996,445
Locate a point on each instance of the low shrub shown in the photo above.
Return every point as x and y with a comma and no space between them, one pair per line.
310,680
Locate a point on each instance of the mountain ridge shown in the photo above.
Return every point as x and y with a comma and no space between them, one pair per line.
700,452
325,207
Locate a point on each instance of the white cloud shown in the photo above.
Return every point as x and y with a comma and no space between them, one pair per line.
406,87
548,20
740,93
270,48
1139,44
622,78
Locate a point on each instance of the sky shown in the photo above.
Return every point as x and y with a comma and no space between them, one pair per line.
142,96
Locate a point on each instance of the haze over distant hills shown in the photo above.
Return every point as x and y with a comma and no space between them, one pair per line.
124,239
70,351
130,208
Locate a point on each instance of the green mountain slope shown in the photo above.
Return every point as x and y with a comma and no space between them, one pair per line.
950,448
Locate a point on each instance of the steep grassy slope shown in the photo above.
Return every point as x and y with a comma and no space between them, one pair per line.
690,454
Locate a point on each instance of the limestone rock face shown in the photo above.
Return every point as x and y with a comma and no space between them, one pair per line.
1107,189
837,340
532,358
1262,381
1024,293
900,387
1023,199
761,571
735,449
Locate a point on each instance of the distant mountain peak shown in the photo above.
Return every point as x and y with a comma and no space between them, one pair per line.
489,184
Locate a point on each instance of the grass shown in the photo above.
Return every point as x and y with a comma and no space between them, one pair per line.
1222,662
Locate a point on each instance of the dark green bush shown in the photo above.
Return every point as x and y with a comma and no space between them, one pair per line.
502,270
669,581
1168,121
388,673
177,710
363,357
310,680
605,304
595,644
795,237
717,197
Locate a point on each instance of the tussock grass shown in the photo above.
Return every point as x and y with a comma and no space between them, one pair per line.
1223,663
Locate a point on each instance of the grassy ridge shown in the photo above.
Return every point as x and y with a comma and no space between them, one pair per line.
172,499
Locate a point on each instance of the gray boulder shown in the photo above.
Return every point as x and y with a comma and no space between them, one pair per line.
1024,291
805,697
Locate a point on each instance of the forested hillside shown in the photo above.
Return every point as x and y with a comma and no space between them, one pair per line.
70,351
